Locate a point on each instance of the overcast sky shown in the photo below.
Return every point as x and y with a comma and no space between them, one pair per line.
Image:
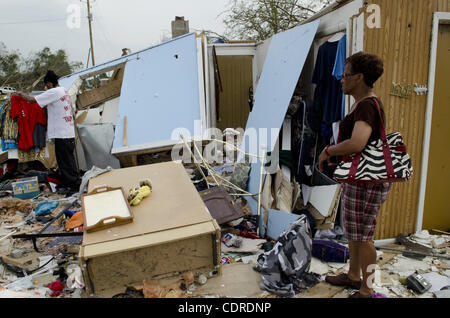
30,25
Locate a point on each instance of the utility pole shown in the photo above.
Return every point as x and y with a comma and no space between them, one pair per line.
90,31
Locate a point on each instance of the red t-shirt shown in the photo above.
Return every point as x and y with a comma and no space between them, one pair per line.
28,115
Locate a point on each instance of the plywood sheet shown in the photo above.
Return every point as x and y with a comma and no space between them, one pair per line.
174,201
321,290
134,266
238,280
147,240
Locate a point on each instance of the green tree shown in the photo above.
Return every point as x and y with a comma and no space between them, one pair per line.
9,65
27,73
260,19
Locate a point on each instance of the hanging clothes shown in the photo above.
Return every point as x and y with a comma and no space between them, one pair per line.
305,140
329,88
28,115
339,66
9,130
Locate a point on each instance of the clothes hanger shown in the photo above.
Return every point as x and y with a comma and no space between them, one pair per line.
340,32
336,37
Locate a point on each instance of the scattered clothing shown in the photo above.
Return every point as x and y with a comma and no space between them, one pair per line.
330,251
335,233
46,208
9,130
57,287
285,269
28,115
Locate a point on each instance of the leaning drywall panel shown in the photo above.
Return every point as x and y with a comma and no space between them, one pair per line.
283,65
282,68
277,222
160,93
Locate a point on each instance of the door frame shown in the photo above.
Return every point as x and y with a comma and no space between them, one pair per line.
438,19
228,49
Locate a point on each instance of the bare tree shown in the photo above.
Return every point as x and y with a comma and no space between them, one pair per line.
260,19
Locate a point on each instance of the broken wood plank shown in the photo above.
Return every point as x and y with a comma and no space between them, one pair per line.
440,232
125,131
99,95
321,290
19,262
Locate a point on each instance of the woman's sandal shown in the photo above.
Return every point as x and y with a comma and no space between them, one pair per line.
343,280
358,295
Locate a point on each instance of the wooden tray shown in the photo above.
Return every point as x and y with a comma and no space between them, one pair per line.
105,207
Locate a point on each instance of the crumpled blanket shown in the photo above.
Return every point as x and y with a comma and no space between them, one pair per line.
285,269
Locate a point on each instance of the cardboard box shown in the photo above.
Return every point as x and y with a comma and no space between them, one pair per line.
27,188
171,233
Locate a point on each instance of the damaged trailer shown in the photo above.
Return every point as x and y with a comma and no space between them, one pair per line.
150,94
414,100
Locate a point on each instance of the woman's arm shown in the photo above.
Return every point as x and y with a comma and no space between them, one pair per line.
360,137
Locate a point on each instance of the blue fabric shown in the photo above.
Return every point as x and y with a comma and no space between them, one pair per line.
8,145
339,65
330,251
330,88
46,208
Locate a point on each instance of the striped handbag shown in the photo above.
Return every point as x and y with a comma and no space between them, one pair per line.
383,160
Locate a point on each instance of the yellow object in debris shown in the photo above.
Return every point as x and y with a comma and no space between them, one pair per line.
142,193
146,182
402,280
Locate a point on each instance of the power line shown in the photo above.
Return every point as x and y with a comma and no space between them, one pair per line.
37,21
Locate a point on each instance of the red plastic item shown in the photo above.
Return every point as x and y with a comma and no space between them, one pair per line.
57,287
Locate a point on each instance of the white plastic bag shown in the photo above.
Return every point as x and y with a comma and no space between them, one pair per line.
75,277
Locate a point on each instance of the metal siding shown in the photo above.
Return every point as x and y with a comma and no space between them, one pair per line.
436,214
405,51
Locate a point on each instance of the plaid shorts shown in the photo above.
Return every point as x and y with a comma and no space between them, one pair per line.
361,204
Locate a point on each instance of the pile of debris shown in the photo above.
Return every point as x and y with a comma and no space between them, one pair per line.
41,238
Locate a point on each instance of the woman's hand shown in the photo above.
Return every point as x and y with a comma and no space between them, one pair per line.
324,156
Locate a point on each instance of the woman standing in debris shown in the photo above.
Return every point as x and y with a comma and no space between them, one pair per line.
361,202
